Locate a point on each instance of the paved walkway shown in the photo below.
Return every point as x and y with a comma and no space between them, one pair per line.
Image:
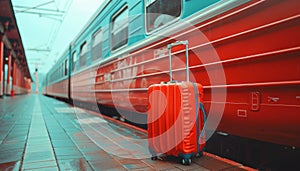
41,133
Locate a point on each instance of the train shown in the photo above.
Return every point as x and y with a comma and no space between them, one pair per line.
245,53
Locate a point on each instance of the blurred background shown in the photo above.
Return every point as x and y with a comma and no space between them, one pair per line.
47,27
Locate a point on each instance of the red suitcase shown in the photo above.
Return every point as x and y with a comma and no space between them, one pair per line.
176,117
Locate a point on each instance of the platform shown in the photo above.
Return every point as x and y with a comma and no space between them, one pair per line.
41,133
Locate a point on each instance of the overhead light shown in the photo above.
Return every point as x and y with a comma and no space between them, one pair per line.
6,25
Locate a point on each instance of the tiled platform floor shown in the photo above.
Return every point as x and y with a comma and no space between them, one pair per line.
41,133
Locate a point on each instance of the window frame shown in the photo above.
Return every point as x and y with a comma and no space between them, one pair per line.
120,11
74,59
165,25
62,69
66,67
81,55
98,32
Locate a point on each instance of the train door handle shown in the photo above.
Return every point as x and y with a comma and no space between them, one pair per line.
255,100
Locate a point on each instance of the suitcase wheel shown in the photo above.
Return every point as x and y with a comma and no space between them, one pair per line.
185,161
200,154
154,158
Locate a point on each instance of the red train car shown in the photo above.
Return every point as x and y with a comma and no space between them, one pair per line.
245,53
258,48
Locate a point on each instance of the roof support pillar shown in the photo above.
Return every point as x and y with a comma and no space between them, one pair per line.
1,67
8,83
14,78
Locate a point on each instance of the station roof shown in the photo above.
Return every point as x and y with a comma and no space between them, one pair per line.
9,33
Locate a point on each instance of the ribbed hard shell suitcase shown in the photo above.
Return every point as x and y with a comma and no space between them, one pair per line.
176,118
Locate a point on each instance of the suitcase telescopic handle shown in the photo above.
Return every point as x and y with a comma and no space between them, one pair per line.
186,43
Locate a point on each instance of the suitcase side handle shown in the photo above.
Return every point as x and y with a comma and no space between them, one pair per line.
202,133
199,106
186,43
204,118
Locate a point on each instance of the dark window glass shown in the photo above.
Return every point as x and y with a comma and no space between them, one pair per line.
97,45
66,67
161,12
74,60
83,54
119,32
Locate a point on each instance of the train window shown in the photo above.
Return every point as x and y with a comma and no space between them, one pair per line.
66,67
74,60
58,72
62,70
161,12
119,29
83,53
97,45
